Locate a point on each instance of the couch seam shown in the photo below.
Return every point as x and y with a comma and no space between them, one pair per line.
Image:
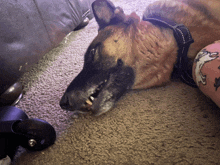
41,17
71,6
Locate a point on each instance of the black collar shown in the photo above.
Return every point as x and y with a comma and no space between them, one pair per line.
183,39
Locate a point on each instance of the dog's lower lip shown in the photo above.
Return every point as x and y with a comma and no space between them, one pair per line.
69,109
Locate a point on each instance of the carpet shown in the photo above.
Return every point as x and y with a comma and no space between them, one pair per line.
174,124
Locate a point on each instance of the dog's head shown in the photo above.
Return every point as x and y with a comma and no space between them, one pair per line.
113,63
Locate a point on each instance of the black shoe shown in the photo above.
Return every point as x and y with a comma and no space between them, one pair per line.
12,95
83,24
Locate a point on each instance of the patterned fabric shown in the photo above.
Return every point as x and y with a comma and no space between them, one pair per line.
206,71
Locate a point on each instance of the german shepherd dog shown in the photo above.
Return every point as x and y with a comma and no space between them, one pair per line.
129,53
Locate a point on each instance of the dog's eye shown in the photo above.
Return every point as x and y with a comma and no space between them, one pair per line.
93,54
92,51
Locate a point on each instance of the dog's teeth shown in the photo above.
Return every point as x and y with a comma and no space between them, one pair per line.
88,102
91,98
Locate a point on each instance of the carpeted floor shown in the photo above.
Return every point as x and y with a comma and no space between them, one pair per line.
169,125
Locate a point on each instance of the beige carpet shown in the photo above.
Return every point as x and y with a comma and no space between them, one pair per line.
169,125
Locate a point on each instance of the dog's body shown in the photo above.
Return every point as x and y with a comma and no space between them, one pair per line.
132,54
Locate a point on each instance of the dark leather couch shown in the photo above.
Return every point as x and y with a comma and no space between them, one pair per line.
30,28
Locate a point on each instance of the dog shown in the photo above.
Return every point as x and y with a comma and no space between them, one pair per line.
130,53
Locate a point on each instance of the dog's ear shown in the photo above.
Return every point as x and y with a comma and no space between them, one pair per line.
106,13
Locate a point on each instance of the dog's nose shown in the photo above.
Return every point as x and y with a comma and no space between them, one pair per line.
64,102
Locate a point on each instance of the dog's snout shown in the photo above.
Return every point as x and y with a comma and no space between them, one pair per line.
64,102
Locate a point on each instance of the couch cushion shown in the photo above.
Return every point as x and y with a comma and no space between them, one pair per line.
30,28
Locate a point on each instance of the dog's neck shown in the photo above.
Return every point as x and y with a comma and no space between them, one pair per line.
183,67
155,53
160,42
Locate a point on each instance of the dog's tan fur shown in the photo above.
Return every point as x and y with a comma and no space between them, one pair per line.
152,51
130,53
